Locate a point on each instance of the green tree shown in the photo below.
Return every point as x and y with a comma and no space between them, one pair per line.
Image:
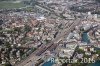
7,44
79,50
98,52
7,64
27,28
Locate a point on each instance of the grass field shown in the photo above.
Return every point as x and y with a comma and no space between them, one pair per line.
10,4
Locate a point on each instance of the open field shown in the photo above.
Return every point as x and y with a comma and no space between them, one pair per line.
11,4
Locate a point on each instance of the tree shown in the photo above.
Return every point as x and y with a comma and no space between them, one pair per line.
7,64
64,64
17,29
98,52
7,44
79,51
27,28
